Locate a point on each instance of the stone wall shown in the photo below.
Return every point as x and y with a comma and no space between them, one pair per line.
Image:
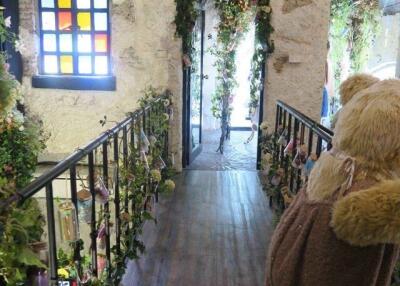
296,70
144,52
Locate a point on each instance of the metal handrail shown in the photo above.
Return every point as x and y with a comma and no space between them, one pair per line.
319,129
64,165
141,118
298,129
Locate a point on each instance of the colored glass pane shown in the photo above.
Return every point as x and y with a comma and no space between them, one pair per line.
64,3
84,22
85,64
48,21
84,43
101,65
100,43
100,4
50,64
49,43
100,21
47,3
65,43
83,4
64,21
66,64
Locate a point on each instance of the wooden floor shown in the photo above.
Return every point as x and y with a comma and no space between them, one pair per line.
214,230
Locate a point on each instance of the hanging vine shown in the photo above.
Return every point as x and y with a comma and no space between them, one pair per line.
354,25
263,47
185,20
235,17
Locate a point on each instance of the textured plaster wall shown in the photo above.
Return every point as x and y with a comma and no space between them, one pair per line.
144,52
296,70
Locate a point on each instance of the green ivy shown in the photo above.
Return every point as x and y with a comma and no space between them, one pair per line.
21,140
185,20
354,25
264,46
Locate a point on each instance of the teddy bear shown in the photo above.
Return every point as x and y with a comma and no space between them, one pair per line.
343,227
350,87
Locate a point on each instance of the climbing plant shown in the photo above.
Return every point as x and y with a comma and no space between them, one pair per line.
354,25
263,47
185,20
235,18
142,174
21,140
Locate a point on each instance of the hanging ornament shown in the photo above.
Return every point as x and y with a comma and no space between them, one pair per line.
101,263
282,141
102,193
301,157
101,237
159,163
85,206
289,146
277,177
143,158
68,222
310,164
144,142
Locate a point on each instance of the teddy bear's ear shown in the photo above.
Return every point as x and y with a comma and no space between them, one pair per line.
355,84
369,217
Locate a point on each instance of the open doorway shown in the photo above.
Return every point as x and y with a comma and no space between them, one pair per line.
240,150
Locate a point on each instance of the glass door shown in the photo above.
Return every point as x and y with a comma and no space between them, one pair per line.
196,86
193,89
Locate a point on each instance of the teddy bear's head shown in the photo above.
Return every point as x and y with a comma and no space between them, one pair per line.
355,84
369,126
367,133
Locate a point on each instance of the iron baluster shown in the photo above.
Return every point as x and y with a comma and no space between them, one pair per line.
52,234
107,209
93,230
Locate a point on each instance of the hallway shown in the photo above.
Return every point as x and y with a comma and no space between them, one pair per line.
213,230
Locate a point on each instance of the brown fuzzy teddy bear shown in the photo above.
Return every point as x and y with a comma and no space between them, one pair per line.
343,228
352,86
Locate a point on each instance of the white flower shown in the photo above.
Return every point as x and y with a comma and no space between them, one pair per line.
19,46
7,22
264,125
21,128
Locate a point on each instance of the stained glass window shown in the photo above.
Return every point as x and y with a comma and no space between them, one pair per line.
75,37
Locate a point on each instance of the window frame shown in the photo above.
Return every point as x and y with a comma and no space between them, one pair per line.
74,80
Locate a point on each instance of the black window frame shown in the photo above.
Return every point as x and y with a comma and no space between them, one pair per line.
74,80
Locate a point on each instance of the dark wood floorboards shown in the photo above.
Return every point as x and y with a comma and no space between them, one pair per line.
213,231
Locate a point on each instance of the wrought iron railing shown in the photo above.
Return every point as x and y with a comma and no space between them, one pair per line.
114,149
298,130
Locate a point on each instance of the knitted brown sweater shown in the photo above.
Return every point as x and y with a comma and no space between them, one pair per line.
305,251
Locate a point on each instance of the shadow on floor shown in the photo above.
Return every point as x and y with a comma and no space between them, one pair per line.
212,231
237,155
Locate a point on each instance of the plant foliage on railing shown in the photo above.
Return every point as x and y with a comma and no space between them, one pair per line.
141,176
146,170
21,140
